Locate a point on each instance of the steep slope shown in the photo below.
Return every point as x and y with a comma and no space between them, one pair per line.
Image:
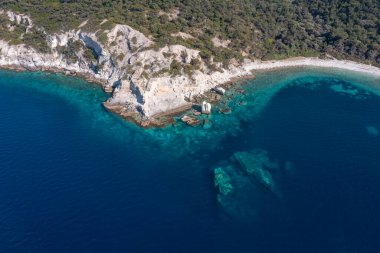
145,81
345,29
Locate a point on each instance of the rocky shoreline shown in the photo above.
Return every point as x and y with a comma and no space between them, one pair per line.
84,76
148,85
159,120
166,118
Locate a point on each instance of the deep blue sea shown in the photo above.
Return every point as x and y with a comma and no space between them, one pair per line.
75,178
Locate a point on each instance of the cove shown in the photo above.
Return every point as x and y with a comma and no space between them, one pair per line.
75,178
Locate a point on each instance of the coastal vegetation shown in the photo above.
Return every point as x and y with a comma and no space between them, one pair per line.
258,29
157,56
16,33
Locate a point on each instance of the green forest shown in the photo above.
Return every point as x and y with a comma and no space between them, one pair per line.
263,29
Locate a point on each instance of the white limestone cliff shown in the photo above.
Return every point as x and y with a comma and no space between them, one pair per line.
127,64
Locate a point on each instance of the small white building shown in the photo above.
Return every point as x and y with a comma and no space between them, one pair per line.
206,108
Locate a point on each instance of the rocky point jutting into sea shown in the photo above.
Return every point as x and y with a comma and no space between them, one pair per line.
129,65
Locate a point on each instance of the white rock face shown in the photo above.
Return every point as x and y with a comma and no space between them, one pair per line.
126,64
19,19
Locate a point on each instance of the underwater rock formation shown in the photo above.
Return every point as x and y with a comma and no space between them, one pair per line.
371,130
349,90
262,156
227,183
255,170
223,182
243,182
207,123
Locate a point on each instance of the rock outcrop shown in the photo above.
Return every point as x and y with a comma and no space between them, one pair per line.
145,81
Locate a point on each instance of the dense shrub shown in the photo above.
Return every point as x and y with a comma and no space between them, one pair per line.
260,28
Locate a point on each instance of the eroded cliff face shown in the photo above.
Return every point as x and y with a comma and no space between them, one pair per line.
144,80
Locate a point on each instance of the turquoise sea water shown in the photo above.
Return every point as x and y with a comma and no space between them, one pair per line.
75,178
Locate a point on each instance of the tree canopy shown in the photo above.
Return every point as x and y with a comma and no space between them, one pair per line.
262,29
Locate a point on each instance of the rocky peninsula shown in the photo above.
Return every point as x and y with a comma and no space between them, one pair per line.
147,82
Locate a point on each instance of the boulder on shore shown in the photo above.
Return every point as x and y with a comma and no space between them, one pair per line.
219,90
191,121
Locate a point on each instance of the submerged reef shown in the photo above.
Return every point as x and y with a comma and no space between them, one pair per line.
349,90
371,130
253,166
243,183
232,190
223,182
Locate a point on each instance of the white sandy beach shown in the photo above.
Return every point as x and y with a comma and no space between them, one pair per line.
314,62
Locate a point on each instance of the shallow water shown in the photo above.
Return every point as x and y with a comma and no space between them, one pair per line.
75,178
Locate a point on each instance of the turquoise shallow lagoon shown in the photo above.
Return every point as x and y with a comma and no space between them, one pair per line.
75,178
